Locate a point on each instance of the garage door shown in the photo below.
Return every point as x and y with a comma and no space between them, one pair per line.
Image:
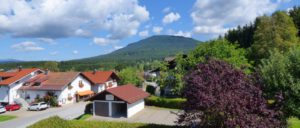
119,109
101,108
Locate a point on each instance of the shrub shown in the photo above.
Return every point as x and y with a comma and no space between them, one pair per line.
175,103
219,96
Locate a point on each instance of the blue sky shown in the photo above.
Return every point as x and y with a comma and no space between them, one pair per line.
64,30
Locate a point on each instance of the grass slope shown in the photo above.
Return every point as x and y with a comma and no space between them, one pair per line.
56,122
6,117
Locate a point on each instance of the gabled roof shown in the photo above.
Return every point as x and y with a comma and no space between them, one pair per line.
13,76
127,93
51,81
100,77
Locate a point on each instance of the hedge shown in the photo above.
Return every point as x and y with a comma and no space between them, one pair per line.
174,103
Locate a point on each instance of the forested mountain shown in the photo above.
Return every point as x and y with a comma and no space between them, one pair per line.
155,47
149,49
8,60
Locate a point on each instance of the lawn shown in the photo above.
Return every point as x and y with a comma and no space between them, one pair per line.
6,117
84,117
56,122
294,123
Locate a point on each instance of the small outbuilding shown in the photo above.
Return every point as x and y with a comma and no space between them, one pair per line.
121,101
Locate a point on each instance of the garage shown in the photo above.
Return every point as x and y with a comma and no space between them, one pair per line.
102,108
121,101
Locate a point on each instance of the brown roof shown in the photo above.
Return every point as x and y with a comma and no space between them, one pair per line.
100,77
127,93
16,75
51,81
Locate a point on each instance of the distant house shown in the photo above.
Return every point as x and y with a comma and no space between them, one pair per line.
12,80
151,74
67,87
121,101
101,80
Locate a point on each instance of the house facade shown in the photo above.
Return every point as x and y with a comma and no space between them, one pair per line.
67,87
101,80
12,80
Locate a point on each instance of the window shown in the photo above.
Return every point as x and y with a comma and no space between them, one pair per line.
81,84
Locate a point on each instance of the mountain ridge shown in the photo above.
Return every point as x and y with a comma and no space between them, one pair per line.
155,47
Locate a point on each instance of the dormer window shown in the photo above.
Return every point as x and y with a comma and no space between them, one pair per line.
36,84
26,84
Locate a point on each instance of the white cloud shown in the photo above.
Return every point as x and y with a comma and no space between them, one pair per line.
47,40
27,46
83,33
166,10
217,16
157,29
171,17
53,53
118,47
103,41
210,29
64,18
144,33
184,34
179,33
75,52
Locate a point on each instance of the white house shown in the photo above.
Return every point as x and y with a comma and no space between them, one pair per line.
101,80
11,81
67,87
121,101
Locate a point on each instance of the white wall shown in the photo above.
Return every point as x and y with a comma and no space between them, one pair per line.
135,107
63,95
14,93
32,94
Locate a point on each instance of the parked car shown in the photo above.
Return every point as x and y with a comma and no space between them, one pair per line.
2,109
12,107
38,106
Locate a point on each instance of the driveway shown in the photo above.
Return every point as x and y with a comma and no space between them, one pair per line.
26,118
148,115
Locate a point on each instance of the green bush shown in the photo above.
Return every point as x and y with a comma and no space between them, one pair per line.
174,103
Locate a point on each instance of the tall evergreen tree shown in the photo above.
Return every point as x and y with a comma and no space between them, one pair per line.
295,14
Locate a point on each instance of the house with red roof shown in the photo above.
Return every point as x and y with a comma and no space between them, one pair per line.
121,101
101,80
67,87
12,80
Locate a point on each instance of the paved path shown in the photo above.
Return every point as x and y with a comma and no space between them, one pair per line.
26,118
148,115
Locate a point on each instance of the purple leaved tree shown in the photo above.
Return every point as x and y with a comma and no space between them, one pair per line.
220,96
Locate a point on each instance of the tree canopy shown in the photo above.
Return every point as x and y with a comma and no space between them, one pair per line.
130,75
273,32
281,75
219,96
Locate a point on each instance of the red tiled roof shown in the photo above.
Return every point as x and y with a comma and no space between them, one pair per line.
100,77
127,93
51,81
15,75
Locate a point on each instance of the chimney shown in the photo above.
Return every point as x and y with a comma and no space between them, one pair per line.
47,72
95,70
20,68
